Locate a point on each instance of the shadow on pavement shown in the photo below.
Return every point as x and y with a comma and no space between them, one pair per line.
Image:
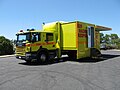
64,59
104,57
35,63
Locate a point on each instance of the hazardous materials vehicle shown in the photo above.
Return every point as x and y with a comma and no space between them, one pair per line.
75,39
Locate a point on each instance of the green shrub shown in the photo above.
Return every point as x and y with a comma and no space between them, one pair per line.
118,46
6,46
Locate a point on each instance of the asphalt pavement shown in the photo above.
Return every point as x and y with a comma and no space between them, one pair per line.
65,74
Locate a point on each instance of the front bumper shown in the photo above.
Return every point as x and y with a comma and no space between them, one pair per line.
30,56
20,57
27,56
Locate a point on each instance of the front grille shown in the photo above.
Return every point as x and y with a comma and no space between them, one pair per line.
20,49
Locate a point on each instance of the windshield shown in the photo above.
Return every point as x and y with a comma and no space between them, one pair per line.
23,37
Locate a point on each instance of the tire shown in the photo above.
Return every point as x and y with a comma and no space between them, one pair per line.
42,57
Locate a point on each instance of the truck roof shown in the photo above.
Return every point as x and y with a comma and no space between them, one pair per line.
49,27
97,27
102,28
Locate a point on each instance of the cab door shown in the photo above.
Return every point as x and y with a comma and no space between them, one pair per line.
50,41
35,41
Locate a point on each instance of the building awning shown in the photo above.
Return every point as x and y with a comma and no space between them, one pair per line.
102,28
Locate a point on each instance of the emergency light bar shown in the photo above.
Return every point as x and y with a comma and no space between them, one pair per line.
31,29
21,30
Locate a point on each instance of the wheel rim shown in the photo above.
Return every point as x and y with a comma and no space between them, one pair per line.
43,57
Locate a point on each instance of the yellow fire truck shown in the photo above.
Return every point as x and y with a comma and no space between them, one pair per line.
75,39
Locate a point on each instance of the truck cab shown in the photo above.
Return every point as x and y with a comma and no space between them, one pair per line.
32,43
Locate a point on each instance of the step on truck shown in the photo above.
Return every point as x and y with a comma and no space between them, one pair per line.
75,39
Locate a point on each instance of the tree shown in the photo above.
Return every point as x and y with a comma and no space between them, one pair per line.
107,39
6,46
111,40
114,38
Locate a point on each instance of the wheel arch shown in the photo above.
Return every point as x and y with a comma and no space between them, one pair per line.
42,50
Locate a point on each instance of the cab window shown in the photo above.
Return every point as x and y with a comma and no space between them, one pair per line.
49,36
36,37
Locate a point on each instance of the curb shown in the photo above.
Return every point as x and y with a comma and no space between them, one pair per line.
115,50
111,50
4,56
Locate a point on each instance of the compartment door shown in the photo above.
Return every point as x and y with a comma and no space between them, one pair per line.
90,36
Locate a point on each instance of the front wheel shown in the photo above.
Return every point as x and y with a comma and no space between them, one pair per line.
42,57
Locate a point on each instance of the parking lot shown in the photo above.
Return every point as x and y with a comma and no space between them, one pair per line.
84,74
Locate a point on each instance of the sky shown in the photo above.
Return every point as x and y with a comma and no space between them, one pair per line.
26,14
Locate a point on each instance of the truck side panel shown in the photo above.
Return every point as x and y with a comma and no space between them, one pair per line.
68,36
75,36
83,50
97,40
84,45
